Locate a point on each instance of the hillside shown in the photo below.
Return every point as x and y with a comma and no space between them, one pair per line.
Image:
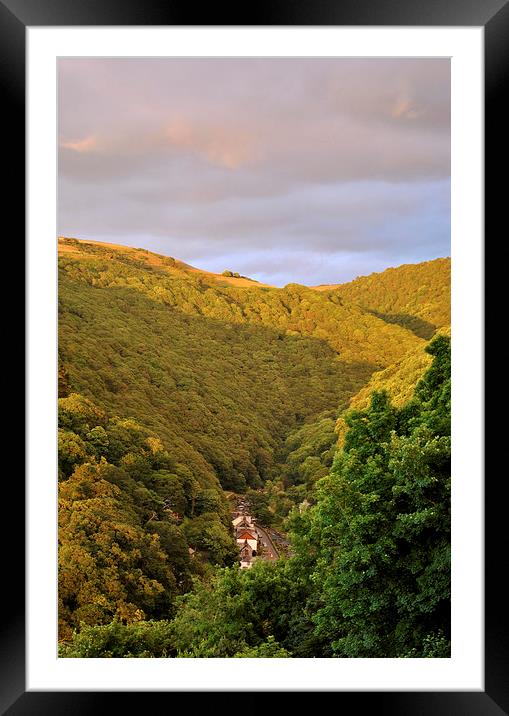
416,296
144,336
400,378
368,575
147,340
165,264
177,384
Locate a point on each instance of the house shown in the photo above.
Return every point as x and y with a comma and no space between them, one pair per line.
243,520
247,537
247,554
246,551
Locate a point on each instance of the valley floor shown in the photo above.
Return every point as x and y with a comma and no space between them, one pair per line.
254,540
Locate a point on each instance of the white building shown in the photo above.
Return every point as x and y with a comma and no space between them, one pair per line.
248,537
243,521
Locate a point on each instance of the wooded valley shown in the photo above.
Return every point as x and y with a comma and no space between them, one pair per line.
327,408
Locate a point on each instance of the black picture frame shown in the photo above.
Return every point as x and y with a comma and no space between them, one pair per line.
493,15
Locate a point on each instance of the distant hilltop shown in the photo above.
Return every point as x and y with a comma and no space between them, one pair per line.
71,245
406,273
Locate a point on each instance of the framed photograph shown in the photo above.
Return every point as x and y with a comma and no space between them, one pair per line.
193,179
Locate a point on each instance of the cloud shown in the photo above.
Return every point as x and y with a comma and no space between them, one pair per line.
86,144
210,156
404,108
229,149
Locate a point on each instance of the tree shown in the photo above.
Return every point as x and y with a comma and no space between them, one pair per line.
144,639
269,649
71,450
380,530
207,533
108,564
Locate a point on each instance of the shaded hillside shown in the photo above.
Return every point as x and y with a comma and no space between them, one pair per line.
416,296
221,395
222,374
398,380
352,332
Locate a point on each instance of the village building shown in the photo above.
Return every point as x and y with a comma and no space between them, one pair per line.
247,555
243,520
247,551
247,538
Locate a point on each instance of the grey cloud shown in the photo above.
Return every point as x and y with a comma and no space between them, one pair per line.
328,213
209,156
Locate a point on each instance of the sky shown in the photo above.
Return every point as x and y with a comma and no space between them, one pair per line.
304,170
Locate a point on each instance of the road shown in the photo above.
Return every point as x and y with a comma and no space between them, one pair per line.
267,543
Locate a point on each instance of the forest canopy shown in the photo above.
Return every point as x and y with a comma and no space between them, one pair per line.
328,409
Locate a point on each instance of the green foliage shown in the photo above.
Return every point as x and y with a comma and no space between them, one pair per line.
222,374
79,414
175,384
270,649
145,639
309,450
399,379
273,503
434,390
260,506
434,646
208,534
222,395
240,610
108,565
122,498
71,450
415,296
381,526
370,575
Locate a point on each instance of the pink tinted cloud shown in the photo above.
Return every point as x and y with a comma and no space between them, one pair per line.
255,152
87,144
224,146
